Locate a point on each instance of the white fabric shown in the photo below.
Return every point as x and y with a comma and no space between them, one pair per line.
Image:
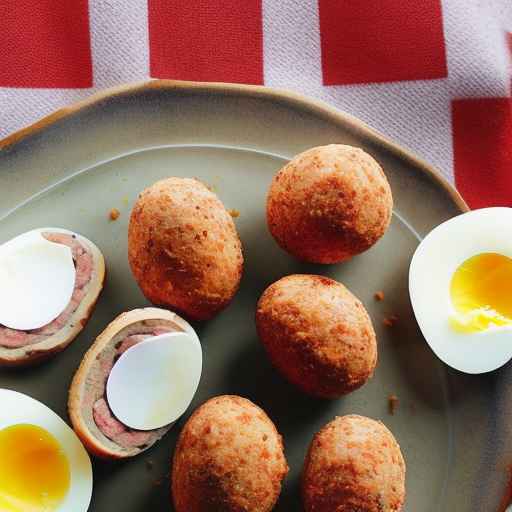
414,113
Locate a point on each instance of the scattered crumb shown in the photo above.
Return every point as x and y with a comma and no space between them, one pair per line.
392,404
163,479
379,295
114,214
234,213
390,321
125,200
149,464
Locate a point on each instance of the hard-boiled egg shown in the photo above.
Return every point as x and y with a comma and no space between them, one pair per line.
43,465
37,278
152,384
460,283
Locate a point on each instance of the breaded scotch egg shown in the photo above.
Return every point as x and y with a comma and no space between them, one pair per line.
229,457
317,334
183,248
353,464
329,203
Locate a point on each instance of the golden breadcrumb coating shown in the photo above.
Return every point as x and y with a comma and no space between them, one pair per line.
229,458
183,248
354,464
329,204
317,334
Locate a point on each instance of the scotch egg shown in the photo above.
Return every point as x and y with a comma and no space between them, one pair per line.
43,465
460,283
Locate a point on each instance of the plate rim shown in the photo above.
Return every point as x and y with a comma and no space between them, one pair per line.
284,96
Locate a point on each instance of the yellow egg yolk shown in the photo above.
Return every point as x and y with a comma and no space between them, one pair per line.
481,293
34,471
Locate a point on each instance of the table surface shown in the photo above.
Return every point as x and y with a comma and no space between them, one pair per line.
434,75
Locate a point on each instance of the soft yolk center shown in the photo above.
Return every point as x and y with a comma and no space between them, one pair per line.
481,293
34,471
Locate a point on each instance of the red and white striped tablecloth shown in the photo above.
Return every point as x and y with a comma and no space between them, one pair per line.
434,75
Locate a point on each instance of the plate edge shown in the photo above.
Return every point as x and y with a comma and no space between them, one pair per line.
281,95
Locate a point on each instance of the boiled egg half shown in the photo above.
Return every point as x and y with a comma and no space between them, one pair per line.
43,465
460,283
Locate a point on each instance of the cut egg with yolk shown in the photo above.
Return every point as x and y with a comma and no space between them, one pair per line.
152,384
37,278
460,284
43,465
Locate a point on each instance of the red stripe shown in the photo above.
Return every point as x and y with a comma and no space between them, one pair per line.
45,43
482,146
381,40
206,40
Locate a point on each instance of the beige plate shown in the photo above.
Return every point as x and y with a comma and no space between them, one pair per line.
71,168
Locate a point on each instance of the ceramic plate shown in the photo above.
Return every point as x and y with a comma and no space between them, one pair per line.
70,169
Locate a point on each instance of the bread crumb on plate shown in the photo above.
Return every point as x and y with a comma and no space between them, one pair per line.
379,296
393,403
390,321
114,214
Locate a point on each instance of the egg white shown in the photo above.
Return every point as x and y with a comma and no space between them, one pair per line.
19,408
153,383
435,261
37,278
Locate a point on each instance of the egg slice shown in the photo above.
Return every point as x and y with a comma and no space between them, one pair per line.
43,465
152,384
37,278
460,283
